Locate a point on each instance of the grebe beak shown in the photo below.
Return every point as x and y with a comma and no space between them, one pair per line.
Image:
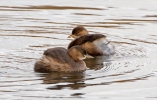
71,36
88,56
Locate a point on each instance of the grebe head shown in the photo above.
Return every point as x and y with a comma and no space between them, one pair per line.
78,32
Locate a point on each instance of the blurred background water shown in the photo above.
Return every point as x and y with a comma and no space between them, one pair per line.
28,27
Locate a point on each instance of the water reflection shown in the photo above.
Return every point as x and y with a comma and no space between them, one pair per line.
50,7
68,80
97,62
27,28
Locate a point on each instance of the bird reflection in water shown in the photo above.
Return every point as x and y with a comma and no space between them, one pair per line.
97,62
66,80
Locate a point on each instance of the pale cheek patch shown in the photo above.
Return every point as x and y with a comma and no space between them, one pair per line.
75,37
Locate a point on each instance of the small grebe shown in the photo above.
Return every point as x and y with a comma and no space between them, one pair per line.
94,44
62,60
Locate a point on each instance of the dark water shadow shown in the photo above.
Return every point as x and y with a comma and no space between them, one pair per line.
150,16
75,81
51,7
135,20
72,81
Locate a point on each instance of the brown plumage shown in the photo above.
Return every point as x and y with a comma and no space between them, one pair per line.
86,38
62,60
94,44
78,31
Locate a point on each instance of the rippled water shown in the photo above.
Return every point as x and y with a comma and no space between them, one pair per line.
28,27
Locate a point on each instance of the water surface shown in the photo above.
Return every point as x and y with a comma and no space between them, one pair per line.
28,27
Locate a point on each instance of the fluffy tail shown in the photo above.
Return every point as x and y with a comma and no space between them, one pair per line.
43,65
